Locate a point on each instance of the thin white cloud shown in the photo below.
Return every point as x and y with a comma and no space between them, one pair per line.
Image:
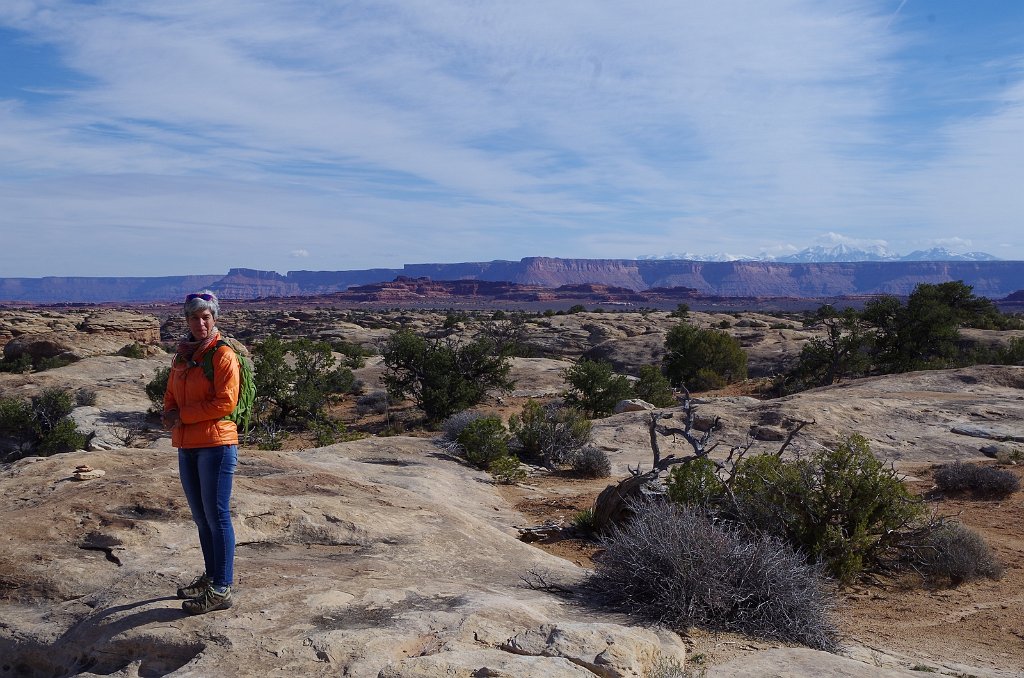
402,130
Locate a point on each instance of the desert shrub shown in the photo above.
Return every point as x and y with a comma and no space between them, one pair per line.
1013,353
375,402
453,425
483,441
508,333
43,423
653,386
329,431
17,365
85,397
843,507
591,462
576,308
682,312
157,386
50,407
355,354
268,435
551,434
1010,456
666,667
443,376
63,437
924,333
677,566
298,394
583,521
54,362
694,483
703,358
595,388
507,470
132,350
954,552
15,416
980,481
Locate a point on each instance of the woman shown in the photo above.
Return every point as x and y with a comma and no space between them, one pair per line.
207,443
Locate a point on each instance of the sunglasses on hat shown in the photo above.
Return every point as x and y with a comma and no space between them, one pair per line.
204,297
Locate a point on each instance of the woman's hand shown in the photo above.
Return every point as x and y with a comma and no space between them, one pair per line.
170,419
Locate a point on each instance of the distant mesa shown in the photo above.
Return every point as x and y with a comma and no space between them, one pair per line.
540,278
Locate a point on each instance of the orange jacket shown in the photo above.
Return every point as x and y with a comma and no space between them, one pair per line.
201,405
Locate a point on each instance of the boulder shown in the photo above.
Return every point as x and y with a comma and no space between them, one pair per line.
607,650
632,405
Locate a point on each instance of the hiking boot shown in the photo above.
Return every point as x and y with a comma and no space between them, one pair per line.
196,588
209,601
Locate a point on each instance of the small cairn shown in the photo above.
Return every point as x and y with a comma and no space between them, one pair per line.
86,472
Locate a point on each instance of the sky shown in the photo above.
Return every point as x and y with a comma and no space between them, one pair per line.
190,137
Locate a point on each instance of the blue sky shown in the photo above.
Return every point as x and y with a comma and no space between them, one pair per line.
194,136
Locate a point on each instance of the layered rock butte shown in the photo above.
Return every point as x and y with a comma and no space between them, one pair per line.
993,279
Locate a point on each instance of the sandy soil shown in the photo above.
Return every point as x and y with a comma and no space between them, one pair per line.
977,624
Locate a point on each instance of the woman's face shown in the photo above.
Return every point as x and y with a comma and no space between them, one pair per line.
200,324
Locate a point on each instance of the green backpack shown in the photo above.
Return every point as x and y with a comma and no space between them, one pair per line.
242,413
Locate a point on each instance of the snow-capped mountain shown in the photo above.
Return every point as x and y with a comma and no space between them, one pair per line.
837,253
942,254
840,252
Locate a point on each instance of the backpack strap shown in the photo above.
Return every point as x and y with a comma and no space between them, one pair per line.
208,358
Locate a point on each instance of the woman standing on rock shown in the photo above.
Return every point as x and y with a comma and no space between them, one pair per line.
194,411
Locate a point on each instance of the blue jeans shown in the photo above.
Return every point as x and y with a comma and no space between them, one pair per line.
206,475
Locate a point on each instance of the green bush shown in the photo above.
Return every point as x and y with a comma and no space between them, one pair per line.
50,407
694,483
63,437
702,359
132,350
18,365
682,312
299,393
1013,354
507,470
157,386
595,388
550,434
583,521
842,507
453,426
443,376
355,354
85,397
483,441
15,416
654,387
54,362
43,423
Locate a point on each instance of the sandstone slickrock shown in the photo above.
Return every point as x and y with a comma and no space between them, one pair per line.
380,556
351,559
75,334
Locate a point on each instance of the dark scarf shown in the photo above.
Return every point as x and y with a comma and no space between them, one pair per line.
189,346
